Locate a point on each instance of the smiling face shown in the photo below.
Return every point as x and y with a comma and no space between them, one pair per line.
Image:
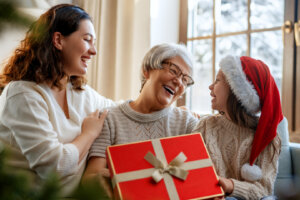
219,91
162,88
78,48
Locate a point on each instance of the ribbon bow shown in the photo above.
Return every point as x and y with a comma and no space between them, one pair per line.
172,168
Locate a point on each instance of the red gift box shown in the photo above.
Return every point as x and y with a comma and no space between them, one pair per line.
167,168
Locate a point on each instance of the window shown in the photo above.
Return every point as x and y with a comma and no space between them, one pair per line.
216,28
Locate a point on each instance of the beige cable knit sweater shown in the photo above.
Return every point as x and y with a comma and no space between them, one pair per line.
229,147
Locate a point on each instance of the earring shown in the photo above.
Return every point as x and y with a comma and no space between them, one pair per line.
221,112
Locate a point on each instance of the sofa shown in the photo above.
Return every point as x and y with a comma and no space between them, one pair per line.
287,185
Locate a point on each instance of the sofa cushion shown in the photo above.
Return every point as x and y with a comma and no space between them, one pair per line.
284,177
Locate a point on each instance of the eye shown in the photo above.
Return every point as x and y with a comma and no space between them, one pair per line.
173,71
185,80
87,38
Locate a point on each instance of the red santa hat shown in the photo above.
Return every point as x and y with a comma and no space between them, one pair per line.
253,85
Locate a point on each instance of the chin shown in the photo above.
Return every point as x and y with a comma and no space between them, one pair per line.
165,104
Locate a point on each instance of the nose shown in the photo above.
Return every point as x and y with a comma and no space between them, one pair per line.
178,80
93,50
211,87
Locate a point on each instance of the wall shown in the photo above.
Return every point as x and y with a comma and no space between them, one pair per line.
9,39
11,36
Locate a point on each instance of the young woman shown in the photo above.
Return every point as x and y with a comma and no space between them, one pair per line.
49,118
243,146
166,73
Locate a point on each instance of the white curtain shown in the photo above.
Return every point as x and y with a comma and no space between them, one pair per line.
123,37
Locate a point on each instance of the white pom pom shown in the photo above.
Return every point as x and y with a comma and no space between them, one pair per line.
251,173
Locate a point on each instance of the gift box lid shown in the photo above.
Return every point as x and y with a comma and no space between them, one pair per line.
200,183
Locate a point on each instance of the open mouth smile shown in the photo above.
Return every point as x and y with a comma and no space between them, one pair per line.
169,90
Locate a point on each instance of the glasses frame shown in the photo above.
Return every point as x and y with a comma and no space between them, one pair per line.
180,73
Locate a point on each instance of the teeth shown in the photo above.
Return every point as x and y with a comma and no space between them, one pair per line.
169,90
85,59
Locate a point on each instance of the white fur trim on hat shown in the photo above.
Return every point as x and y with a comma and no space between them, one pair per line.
251,173
244,91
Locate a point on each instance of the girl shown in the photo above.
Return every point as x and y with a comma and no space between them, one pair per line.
244,147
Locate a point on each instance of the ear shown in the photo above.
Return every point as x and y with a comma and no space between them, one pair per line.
57,40
146,74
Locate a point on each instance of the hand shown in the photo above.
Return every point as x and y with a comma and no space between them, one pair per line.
93,123
105,182
226,184
193,113
105,172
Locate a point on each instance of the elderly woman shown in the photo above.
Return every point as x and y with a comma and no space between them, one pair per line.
166,73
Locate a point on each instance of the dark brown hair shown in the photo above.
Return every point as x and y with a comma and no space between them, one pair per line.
238,114
36,59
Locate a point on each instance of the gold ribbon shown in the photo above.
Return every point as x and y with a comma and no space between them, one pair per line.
172,168
177,167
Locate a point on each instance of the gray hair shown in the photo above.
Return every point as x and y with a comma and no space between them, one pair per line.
159,53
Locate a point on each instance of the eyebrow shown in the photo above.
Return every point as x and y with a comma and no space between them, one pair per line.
188,74
90,35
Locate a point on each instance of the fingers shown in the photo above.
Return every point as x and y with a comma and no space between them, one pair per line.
105,172
94,114
196,115
102,115
99,114
221,181
226,184
183,108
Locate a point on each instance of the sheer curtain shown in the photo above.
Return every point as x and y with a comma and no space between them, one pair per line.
123,37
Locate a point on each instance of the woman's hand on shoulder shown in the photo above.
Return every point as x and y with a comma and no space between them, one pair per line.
196,115
93,123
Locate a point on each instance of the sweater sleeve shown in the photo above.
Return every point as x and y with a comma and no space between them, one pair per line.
99,146
269,164
26,115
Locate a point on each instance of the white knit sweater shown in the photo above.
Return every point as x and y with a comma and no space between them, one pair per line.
124,125
38,134
229,147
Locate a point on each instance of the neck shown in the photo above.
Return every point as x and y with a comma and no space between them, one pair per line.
63,82
143,105
227,116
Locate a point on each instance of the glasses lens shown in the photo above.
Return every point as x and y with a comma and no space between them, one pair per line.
176,71
187,80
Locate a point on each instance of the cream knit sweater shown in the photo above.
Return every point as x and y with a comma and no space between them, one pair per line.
229,147
124,125
38,134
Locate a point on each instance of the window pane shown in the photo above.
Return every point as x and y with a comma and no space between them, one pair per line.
231,16
267,13
198,97
234,45
268,47
200,21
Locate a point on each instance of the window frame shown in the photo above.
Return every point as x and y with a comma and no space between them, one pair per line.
290,97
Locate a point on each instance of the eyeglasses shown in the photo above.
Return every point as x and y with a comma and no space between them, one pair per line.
176,71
